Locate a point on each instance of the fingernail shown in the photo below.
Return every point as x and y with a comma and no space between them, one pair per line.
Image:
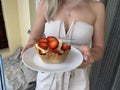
85,58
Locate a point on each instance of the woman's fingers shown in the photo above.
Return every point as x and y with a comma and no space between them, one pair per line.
24,49
84,65
87,56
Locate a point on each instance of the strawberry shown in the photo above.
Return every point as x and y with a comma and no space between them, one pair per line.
53,44
43,45
43,40
65,47
51,38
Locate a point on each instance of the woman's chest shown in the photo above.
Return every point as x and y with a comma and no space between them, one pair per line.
77,14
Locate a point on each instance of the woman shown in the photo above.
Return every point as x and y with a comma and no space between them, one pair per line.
82,23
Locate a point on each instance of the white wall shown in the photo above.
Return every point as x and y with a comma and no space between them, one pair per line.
24,19
19,16
10,13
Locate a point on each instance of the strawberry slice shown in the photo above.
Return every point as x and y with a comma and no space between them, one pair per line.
43,40
65,47
43,45
51,38
53,44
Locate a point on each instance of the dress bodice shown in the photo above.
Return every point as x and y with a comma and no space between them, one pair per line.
79,33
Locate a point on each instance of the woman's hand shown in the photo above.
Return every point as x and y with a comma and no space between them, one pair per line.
31,43
24,49
87,56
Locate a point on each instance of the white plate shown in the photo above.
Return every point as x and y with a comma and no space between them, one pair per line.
32,60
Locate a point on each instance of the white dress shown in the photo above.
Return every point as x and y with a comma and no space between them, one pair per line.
79,33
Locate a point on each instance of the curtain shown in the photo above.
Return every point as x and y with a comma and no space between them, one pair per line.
105,74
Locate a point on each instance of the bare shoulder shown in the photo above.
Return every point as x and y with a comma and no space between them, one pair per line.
97,6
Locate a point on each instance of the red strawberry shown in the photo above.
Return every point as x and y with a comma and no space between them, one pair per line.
43,40
43,45
65,47
53,44
51,38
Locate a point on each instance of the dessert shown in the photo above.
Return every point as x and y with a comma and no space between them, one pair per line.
52,50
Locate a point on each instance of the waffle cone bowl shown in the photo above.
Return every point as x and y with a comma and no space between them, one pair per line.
52,57
56,52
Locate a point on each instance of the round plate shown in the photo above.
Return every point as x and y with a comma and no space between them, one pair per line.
32,60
